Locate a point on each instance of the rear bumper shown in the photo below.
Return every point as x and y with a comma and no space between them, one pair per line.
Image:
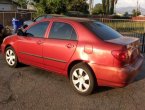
116,77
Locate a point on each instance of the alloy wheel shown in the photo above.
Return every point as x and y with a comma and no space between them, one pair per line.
10,57
81,80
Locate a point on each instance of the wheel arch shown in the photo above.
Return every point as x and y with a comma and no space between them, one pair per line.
8,45
80,61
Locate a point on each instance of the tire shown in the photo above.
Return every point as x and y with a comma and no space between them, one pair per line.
11,57
82,79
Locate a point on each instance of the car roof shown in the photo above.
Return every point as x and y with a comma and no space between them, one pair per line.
52,15
76,19
55,15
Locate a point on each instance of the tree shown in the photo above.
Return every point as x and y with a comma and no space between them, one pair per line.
108,6
104,6
112,5
135,13
126,14
37,1
57,7
97,9
40,9
60,6
50,6
78,5
22,3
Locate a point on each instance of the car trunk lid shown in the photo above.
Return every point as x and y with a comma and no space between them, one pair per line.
131,46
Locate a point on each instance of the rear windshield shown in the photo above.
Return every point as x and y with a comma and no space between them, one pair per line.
101,30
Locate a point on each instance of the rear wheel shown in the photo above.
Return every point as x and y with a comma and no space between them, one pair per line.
82,79
11,57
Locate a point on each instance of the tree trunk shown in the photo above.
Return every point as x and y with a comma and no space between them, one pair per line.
107,7
112,7
104,6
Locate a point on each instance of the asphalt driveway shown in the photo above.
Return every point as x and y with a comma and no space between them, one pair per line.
29,88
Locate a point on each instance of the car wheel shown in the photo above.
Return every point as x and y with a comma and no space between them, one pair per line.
11,57
82,79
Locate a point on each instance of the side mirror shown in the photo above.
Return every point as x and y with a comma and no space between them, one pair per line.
25,26
20,32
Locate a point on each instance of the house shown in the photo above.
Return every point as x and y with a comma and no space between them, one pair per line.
139,18
7,5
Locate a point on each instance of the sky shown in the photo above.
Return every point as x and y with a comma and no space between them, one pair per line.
126,3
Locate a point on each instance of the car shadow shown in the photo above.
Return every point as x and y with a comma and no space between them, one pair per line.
100,89
140,76
22,65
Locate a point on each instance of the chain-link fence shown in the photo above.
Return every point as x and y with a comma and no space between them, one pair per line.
128,28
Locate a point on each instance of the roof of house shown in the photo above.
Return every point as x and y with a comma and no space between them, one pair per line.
5,1
12,2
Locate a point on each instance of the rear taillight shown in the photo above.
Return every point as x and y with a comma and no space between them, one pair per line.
121,55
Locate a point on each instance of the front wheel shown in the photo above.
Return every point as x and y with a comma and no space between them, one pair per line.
10,57
82,79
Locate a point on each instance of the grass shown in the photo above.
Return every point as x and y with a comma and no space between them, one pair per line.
125,25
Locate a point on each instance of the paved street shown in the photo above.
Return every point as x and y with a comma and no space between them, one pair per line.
29,88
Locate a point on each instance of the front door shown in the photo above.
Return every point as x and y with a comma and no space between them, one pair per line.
30,46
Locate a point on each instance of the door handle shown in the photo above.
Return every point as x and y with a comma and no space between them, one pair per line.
69,45
40,42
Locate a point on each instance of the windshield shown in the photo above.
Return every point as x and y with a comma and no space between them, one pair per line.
102,31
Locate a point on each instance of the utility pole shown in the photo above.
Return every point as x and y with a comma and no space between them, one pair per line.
137,9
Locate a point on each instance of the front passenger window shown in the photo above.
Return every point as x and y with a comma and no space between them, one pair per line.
39,18
37,30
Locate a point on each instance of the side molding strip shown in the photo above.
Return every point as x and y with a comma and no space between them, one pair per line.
47,58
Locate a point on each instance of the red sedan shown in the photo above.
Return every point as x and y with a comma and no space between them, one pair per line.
88,52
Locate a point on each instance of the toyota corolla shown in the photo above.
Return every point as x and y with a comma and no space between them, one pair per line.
88,52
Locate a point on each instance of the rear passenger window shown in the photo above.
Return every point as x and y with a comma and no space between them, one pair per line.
73,35
62,31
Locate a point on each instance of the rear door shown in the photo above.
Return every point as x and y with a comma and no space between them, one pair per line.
60,45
